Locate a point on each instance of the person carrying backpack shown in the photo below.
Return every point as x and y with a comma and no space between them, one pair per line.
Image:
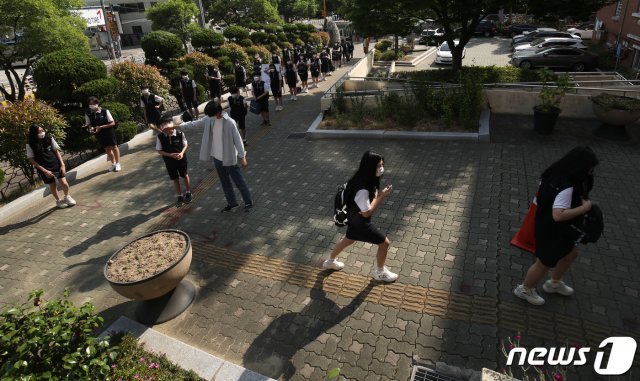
363,198
240,74
103,126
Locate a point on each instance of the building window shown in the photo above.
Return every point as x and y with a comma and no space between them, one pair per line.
618,9
131,8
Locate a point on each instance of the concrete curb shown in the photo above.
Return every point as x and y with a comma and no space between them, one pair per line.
186,356
413,63
483,135
24,202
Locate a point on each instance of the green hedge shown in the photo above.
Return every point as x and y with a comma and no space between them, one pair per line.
383,45
78,139
105,89
484,74
119,111
126,131
229,80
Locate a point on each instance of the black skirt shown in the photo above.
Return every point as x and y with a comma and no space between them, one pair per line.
361,229
107,137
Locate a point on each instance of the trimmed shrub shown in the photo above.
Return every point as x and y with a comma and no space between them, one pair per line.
383,45
324,36
245,42
235,53
206,39
131,76
201,93
390,55
119,111
160,46
270,28
126,131
15,120
260,50
236,33
315,39
106,89
287,45
260,38
198,61
229,80
273,47
78,139
281,37
298,42
60,73
225,65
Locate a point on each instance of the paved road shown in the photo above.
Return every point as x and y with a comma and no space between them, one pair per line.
263,301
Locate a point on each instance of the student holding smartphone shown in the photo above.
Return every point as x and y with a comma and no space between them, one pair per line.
364,199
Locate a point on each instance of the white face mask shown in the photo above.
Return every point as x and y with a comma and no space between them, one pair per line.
146,92
234,95
93,107
41,135
379,171
185,77
256,79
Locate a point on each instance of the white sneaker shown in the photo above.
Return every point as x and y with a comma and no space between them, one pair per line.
551,287
69,200
291,98
61,204
295,98
384,275
530,295
112,168
332,264
117,167
305,90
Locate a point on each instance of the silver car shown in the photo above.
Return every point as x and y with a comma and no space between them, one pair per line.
555,58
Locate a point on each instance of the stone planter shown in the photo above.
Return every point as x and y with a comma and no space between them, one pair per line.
164,295
614,122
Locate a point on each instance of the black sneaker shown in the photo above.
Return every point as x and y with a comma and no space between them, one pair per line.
229,208
268,123
188,197
265,122
180,201
248,207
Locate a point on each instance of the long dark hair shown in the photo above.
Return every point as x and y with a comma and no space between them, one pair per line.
574,167
38,145
365,176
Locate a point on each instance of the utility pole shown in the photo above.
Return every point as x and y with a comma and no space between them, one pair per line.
202,22
324,8
112,52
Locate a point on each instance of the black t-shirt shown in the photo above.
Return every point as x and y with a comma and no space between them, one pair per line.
236,104
258,88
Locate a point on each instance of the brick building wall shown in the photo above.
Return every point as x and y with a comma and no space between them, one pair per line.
619,23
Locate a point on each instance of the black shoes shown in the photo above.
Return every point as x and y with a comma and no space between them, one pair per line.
188,197
180,201
229,208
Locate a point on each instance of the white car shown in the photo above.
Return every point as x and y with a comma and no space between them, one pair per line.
443,54
550,41
584,30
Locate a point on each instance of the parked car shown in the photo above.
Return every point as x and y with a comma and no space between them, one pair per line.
486,28
516,29
443,55
431,36
521,39
584,30
547,42
555,58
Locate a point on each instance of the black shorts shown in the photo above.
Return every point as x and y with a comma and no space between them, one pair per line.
552,243
239,122
175,167
240,82
50,180
291,82
361,229
107,137
264,104
215,91
191,103
303,76
315,74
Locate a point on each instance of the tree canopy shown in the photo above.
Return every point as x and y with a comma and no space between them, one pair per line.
35,33
174,16
298,9
241,12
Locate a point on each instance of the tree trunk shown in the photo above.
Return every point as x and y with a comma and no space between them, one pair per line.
10,96
456,55
395,40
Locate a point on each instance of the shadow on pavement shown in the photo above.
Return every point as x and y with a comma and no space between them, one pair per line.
271,352
29,221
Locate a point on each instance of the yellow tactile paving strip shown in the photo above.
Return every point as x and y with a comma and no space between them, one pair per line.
448,305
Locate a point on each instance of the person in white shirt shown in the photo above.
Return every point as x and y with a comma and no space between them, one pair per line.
563,195
363,199
172,146
102,125
44,153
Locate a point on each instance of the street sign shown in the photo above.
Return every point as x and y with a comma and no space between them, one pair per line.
93,16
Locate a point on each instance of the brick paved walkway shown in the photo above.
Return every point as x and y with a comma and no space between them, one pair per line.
263,301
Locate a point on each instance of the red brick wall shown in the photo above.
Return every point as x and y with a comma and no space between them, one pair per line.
612,27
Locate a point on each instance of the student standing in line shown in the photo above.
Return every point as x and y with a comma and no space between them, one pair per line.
563,195
214,77
325,60
315,70
240,74
189,94
364,198
292,79
44,154
303,73
275,58
275,83
257,65
345,52
150,104
261,95
222,142
102,124
172,145
350,49
336,56
238,111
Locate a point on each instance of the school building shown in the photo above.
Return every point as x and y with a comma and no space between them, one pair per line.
618,26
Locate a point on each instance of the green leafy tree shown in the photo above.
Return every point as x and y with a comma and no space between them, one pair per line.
297,9
58,79
174,16
15,120
199,62
160,46
38,27
562,8
236,33
206,40
242,12
132,75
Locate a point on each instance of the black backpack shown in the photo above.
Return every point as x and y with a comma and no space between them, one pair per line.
340,215
588,227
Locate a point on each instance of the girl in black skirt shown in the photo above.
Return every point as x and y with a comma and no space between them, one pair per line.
563,195
363,200
102,125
